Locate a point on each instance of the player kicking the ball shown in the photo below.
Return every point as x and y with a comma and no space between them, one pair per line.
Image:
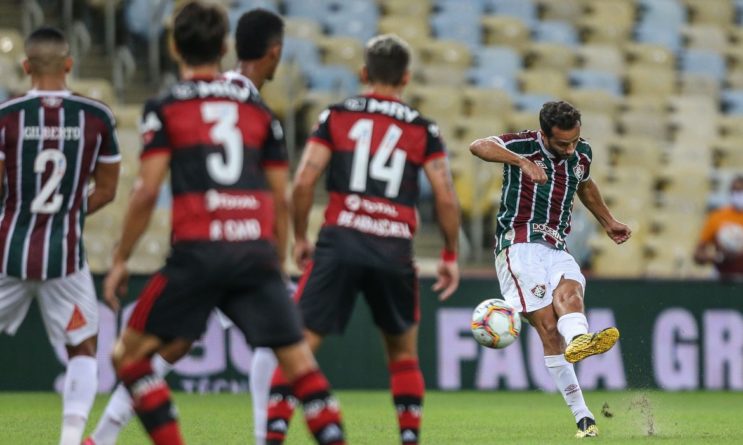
543,171
228,173
372,148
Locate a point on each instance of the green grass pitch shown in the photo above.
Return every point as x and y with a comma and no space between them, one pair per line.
454,418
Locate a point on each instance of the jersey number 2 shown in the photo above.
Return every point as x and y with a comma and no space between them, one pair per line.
361,132
48,200
224,169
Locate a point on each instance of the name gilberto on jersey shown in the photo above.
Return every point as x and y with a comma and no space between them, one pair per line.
52,133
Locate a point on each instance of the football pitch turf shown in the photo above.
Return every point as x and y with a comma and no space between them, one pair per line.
448,418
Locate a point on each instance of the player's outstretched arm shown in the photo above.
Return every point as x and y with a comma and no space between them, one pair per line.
315,159
106,177
590,196
490,150
152,172
278,179
447,212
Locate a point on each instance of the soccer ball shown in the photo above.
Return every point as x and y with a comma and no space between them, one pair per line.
495,323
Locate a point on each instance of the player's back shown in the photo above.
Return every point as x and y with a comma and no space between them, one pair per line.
50,142
220,137
379,146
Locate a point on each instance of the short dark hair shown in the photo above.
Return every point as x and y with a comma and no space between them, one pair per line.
558,114
386,58
46,34
256,31
199,32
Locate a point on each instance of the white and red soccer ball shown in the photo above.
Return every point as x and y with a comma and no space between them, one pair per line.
495,323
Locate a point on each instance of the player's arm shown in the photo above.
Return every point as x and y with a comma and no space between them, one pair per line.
2,175
152,172
315,159
447,212
590,196
706,251
106,178
490,149
278,178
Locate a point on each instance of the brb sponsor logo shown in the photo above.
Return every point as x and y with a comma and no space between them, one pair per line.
355,203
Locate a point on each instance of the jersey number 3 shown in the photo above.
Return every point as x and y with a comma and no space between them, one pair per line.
48,200
386,153
224,169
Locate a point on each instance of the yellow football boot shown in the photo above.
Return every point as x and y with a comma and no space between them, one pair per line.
586,345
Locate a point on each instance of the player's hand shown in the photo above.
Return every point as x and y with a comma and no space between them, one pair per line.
618,232
115,284
302,253
447,274
533,171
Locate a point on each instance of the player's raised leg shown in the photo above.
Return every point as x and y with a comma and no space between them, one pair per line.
573,325
406,383
545,322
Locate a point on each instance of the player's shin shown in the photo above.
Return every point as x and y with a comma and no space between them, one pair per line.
261,372
321,410
563,374
151,401
408,387
119,411
281,404
80,386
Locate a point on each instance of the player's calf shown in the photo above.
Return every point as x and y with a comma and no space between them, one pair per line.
407,386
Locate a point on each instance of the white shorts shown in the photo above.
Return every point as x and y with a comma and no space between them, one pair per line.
69,306
528,273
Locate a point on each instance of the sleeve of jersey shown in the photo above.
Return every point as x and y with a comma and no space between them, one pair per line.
274,149
588,161
514,144
109,152
2,143
321,132
152,131
434,143
709,230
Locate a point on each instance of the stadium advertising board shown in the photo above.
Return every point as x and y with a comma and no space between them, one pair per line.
675,336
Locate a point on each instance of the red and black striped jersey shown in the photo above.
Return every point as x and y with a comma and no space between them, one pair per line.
379,146
220,137
50,142
532,212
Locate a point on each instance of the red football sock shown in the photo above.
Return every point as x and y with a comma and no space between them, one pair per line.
408,387
151,401
281,404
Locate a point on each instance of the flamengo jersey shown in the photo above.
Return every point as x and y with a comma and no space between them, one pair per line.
220,136
50,142
531,212
378,146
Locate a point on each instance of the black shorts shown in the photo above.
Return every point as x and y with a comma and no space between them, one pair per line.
243,280
345,266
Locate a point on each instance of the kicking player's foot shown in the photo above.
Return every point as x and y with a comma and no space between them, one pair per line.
586,345
587,428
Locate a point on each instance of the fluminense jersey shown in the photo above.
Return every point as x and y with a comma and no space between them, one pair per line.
531,212
220,137
378,146
50,142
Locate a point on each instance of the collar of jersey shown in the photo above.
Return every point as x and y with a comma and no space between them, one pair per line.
544,149
36,92
382,97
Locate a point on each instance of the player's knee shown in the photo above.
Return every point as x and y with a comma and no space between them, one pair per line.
568,295
85,348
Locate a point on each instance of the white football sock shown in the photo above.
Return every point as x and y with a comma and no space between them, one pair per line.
571,325
564,377
261,371
80,386
119,411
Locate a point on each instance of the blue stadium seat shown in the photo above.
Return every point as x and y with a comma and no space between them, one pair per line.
359,8
486,78
245,5
655,33
458,7
303,52
532,102
502,60
342,23
732,101
708,63
594,79
526,10
464,28
662,12
333,78
311,9
556,31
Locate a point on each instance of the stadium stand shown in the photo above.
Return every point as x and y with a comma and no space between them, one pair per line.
660,83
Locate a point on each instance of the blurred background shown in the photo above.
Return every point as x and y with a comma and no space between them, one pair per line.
659,82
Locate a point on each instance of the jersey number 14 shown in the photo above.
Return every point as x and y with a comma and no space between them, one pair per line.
388,163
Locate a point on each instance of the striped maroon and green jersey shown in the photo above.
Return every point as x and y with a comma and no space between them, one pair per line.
50,143
531,212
